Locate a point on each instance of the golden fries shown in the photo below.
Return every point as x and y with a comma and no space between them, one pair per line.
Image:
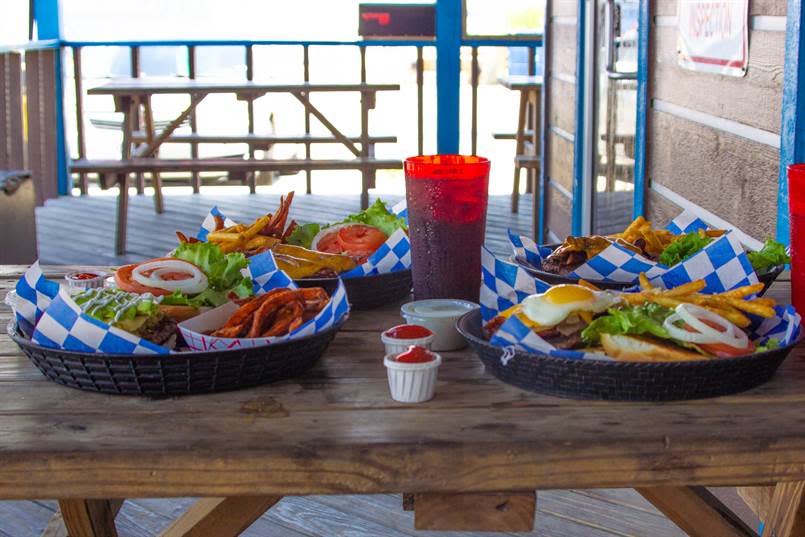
588,285
732,305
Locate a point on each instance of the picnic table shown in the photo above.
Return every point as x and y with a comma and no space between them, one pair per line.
140,149
472,457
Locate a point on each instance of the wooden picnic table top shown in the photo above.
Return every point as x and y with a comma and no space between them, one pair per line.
336,430
161,85
521,82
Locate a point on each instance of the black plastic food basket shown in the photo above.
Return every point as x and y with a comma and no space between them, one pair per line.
179,373
368,292
621,381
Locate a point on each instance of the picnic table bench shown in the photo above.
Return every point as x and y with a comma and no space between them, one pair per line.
140,148
472,457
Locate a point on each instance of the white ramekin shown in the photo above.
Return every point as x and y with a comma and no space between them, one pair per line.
76,286
395,345
412,383
439,315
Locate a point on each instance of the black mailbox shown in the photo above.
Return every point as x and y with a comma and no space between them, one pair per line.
397,20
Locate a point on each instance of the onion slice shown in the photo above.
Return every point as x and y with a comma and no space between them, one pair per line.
694,317
195,282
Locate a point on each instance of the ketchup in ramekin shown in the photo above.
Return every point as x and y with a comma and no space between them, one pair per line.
398,338
85,279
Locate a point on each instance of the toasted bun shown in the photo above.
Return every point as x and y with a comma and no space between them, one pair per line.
179,313
639,349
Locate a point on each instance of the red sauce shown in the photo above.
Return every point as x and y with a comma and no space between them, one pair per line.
408,331
415,355
84,276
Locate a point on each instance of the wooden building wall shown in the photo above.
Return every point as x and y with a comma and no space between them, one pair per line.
713,141
560,83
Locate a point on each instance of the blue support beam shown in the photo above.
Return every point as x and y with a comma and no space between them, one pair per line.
448,73
579,144
792,126
47,16
641,129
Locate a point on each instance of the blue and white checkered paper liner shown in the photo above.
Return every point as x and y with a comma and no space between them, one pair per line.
723,263
267,276
209,223
34,293
393,255
504,284
515,335
64,326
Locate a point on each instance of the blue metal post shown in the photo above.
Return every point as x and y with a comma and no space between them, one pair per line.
792,126
47,15
448,73
641,129
579,144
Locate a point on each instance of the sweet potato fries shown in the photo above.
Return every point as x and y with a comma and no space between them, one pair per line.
276,313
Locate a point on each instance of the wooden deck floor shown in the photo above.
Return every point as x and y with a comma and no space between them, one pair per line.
81,229
574,513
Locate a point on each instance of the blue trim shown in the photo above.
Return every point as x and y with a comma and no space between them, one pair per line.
245,42
641,129
47,14
32,45
448,74
792,124
543,114
512,41
579,145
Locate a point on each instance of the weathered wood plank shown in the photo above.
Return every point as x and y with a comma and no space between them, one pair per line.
753,100
475,512
696,511
563,8
730,176
560,164
562,106
563,44
787,512
89,518
759,499
557,212
222,517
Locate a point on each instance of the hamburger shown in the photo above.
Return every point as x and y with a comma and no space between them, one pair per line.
140,315
575,251
638,329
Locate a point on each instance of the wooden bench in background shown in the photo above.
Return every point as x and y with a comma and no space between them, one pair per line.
117,172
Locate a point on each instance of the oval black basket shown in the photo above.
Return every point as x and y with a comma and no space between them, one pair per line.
368,292
766,278
176,374
622,381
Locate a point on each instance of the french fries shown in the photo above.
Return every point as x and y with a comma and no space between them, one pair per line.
654,241
732,305
251,239
276,313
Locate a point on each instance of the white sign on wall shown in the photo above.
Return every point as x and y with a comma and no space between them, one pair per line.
713,36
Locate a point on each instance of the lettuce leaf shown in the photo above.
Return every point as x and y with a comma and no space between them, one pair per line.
682,248
377,215
645,319
223,272
771,255
772,343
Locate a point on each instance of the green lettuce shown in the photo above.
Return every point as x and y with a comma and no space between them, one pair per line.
645,319
771,255
683,247
223,273
771,344
377,215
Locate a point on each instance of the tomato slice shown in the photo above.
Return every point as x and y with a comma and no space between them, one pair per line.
329,244
721,350
360,238
125,282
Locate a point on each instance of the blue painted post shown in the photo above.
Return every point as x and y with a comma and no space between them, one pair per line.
579,143
641,129
448,73
792,125
47,14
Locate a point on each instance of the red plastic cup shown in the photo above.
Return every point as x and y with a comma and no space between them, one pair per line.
447,198
796,211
